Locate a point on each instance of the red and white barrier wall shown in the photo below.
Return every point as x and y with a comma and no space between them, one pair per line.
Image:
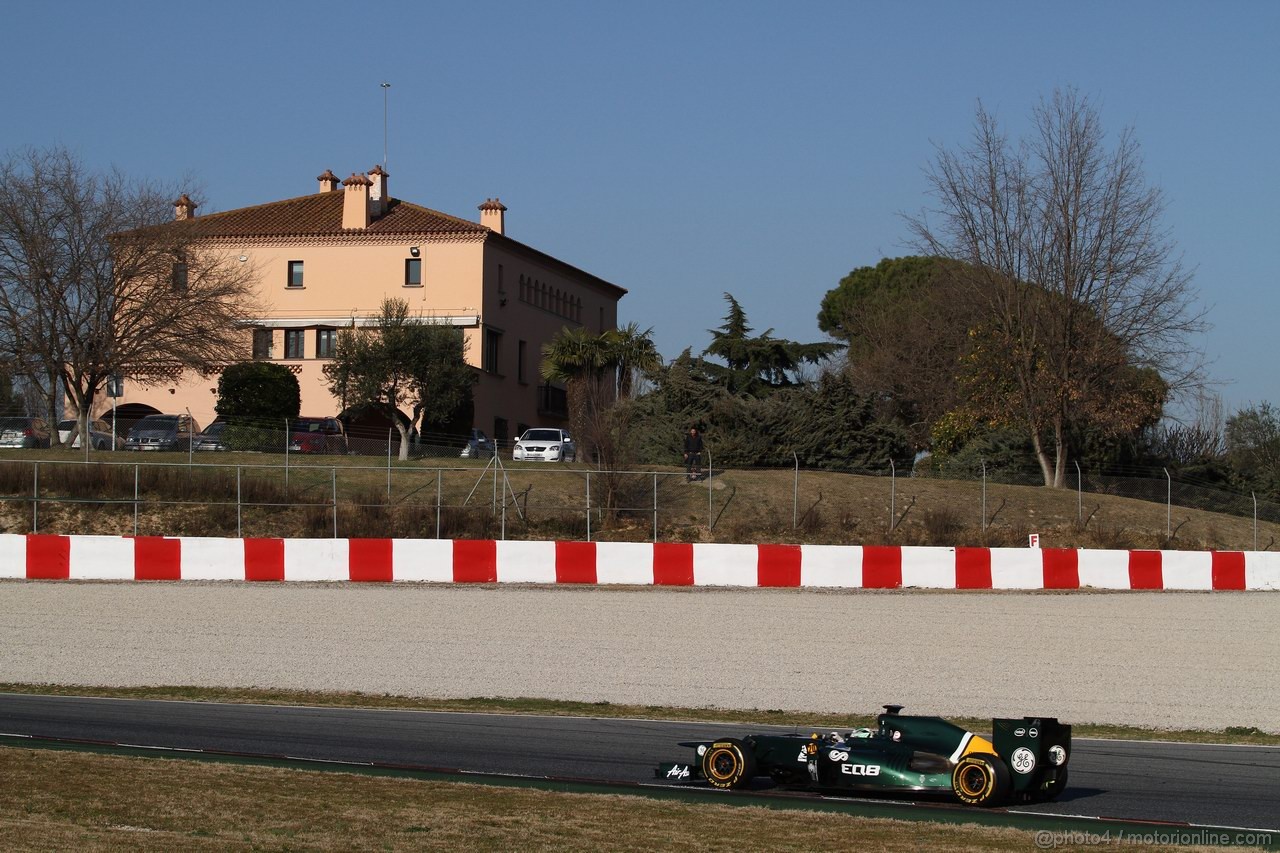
41,557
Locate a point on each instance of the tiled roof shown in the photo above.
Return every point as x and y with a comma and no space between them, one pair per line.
320,214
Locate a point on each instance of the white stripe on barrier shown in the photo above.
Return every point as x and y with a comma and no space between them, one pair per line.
101,558
209,559
624,562
1187,569
725,565
1262,570
929,568
1104,569
422,560
526,562
1017,568
831,565
316,560
13,556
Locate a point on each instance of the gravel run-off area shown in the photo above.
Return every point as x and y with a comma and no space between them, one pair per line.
1161,659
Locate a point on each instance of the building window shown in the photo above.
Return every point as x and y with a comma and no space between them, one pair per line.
413,272
520,353
295,273
326,342
179,277
262,341
294,343
492,347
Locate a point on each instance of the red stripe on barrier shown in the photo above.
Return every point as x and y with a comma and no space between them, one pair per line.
778,565
575,562
475,561
1146,570
1061,568
881,566
369,560
156,558
673,564
48,557
1228,570
264,559
973,568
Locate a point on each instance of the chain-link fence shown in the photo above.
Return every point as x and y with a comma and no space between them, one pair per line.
448,495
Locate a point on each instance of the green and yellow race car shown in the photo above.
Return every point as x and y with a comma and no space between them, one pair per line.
1025,760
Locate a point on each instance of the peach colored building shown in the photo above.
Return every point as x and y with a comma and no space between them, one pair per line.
325,262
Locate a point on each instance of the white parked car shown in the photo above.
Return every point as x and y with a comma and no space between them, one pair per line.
99,432
545,445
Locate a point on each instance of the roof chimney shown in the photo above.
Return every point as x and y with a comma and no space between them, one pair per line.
378,194
491,214
328,181
184,208
355,202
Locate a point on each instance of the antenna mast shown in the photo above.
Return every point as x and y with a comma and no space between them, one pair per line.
385,87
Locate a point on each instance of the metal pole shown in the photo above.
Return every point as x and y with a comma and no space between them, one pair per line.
35,498
1168,503
335,502
655,506
239,527
1255,520
1079,494
795,492
385,87
711,519
388,464
588,506
191,439
135,499
984,494
286,457
438,473
893,493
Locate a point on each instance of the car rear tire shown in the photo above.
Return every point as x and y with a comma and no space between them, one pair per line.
980,780
728,764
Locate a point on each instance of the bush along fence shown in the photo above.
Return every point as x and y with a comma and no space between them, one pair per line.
343,496
37,557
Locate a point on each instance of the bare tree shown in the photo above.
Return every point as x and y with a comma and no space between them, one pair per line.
1089,311
96,279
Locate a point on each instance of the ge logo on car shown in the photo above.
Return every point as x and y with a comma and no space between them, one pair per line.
1023,760
838,755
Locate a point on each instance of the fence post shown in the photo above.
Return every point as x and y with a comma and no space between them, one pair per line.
711,519
286,457
35,498
438,473
1079,494
1255,520
389,464
135,499
655,506
239,529
1168,503
588,506
334,472
893,493
984,494
795,492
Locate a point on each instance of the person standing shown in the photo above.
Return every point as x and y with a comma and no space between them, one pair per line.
693,454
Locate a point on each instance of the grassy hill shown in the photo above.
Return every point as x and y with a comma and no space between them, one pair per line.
534,501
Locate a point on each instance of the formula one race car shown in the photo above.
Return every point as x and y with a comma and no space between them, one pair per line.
1025,760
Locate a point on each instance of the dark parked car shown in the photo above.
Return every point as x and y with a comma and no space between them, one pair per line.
24,432
478,446
163,432
317,435
211,438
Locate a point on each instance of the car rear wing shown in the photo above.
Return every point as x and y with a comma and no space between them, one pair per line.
1035,748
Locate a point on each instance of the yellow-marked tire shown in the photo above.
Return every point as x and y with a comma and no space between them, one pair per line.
980,780
728,764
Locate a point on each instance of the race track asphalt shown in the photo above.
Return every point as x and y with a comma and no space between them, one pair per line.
1203,784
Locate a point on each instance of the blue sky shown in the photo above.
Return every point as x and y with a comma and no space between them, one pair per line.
680,150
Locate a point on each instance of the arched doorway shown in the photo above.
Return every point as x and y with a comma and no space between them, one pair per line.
128,415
